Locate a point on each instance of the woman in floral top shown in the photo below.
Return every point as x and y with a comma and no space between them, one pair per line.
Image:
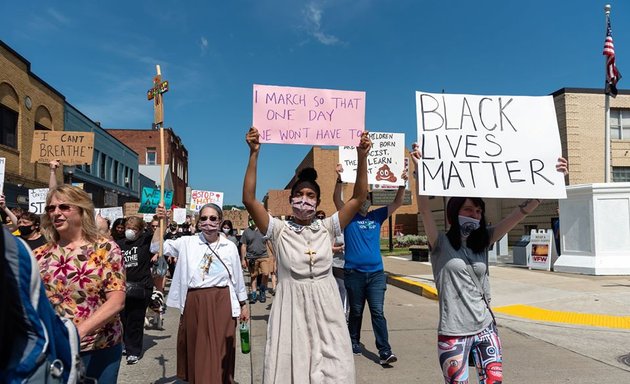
84,278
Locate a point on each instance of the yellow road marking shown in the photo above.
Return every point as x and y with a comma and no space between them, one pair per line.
549,316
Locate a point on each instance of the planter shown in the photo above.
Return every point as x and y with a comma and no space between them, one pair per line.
419,253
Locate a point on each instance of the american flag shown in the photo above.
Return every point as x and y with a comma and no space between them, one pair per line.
612,73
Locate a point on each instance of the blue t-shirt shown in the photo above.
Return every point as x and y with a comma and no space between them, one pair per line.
363,241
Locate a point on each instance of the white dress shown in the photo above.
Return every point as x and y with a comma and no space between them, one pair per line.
307,335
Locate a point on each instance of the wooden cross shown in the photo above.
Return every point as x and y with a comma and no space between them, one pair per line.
155,94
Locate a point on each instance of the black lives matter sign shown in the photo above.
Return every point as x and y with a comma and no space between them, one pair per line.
488,146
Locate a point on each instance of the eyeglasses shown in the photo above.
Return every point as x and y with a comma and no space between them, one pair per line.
62,207
211,218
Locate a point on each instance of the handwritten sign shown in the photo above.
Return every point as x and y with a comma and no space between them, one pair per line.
488,146
111,213
289,115
385,162
198,198
238,218
68,147
151,198
131,209
2,165
179,215
37,200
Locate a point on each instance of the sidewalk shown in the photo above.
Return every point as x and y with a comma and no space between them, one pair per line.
550,297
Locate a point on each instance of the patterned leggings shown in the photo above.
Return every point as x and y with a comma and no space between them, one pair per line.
485,347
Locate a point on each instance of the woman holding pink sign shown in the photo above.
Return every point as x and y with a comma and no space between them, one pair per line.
307,335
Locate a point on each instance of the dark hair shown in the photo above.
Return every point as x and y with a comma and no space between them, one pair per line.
32,217
479,239
119,221
306,178
229,224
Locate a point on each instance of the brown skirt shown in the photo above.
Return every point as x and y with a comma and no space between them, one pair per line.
206,337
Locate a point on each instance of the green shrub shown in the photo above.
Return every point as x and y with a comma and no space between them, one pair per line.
406,241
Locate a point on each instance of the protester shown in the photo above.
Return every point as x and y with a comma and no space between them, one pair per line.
103,224
28,225
84,278
228,231
118,229
138,260
256,258
188,227
209,290
364,275
173,233
10,218
307,336
160,265
466,323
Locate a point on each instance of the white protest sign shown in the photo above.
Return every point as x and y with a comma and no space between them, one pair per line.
198,198
179,215
2,163
37,200
147,217
541,251
111,213
387,186
488,146
385,162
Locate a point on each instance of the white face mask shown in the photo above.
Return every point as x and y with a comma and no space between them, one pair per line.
226,230
467,225
130,234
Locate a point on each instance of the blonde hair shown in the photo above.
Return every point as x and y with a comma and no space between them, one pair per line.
79,198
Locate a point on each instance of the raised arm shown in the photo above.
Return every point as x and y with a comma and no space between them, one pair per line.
359,194
52,181
398,200
338,187
255,208
8,212
525,208
423,201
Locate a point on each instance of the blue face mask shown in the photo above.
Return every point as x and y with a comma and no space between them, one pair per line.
467,225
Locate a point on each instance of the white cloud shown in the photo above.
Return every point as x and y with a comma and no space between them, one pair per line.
313,13
203,45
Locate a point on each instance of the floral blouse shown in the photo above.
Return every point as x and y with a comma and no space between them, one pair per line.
76,282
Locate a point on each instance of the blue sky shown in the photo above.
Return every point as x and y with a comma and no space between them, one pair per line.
102,56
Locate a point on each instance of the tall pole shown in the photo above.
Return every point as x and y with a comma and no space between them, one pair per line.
607,117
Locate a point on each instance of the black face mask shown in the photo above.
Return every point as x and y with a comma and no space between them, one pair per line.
26,230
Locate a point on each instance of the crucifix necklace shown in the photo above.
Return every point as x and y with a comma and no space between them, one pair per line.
310,254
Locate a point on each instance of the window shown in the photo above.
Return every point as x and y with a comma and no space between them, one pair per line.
151,156
102,166
620,124
8,126
39,127
620,174
115,172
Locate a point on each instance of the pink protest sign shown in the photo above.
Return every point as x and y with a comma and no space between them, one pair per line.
289,115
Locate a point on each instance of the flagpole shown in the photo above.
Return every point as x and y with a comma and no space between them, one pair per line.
607,117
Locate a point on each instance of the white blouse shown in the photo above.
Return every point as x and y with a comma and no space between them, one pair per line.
190,271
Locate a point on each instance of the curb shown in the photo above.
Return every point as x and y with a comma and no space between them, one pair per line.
412,286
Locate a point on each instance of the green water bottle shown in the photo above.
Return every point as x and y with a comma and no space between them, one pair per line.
244,330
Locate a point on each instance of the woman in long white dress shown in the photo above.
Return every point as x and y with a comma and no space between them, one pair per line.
307,335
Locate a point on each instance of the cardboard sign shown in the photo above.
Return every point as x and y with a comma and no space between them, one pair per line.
289,115
2,165
488,146
541,251
151,198
37,200
131,209
111,213
198,198
385,162
179,215
68,147
237,217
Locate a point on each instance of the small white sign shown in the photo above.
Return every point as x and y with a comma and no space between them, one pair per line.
2,162
111,213
540,251
385,162
37,200
179,215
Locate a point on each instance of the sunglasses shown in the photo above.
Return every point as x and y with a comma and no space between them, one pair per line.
62,208
211,218
321,217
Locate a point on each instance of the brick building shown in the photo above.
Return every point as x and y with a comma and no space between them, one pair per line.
146,142
27,103
324,160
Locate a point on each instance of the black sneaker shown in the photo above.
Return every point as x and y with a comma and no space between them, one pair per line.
272,291
252,298
388,359
356,349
